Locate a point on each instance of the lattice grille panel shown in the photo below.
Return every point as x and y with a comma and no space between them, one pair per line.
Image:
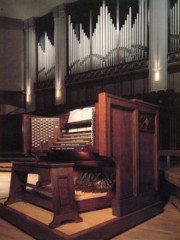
43,131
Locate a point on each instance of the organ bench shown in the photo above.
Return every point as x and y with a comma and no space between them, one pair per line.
59,197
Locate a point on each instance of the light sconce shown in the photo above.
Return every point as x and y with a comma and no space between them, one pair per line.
58,94
156,76
28,94
28,98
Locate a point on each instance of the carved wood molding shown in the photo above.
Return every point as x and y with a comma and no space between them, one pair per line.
173,62
108,72
44,85
173,57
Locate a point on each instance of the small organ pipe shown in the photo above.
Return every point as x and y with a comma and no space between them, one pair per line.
117,28
175,26
178,25
137,47
145,27
173,48
130,35
170,30
140,34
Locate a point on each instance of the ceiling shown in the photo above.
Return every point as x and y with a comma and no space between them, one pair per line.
24,9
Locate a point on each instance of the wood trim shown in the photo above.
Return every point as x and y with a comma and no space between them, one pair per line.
107,73
103,136
29,225
102,231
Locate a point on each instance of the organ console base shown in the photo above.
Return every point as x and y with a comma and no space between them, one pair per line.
98,224
55,190
108,161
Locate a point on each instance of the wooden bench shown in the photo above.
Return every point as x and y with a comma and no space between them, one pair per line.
59,175
169,154
172,175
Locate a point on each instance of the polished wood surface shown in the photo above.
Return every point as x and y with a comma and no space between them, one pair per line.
9,232
164,226
129,133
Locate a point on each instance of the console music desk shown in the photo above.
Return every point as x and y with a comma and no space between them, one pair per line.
60,198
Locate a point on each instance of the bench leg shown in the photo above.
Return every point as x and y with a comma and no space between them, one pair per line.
63,194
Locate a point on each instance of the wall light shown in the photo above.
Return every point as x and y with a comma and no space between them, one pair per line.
58,94
28,93
156,78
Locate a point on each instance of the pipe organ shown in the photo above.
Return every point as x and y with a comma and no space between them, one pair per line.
112,38
109,43
46,59
174,27
96,157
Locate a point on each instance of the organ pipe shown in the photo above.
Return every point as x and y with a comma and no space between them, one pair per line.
145,28
174,28
109,44
46,60
178,27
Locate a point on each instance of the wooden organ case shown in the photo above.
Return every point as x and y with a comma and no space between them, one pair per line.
113,154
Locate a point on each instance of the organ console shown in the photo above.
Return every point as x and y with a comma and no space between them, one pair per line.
99,156
78,132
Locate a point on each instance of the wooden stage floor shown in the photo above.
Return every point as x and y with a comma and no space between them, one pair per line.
164,226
